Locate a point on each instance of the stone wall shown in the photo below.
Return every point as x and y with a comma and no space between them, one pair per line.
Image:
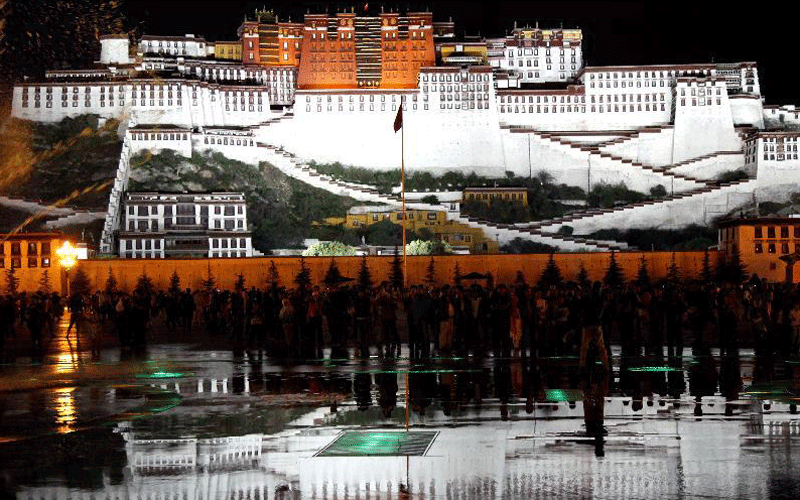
503,267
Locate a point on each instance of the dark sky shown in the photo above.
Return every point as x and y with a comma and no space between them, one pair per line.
614,32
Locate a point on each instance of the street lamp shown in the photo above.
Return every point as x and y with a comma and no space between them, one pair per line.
67,258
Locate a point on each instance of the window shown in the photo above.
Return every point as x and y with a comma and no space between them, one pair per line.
45,261
759,248
771,248
32,250
784,248
760,232
771,232
33,261
784,232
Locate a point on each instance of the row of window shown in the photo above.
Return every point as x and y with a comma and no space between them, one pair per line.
647,83
456,88
158,137
224,242
16,262
15,248
414,107
140,245
144,226
154,210
535,52
485,77
225,142
624,108
771,231
772,248
780,157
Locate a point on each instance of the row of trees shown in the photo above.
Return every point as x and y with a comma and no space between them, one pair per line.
727,270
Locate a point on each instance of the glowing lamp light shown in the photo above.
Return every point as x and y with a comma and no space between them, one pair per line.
67,256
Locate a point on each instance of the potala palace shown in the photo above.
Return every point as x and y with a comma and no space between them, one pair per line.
327,90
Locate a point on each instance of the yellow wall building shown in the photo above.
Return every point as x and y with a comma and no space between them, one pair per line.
487,194
764,244
30,255
228,51
452,232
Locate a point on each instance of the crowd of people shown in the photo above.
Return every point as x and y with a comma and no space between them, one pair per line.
475,319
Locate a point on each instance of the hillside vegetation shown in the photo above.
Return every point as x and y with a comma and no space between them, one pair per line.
72,162
280,210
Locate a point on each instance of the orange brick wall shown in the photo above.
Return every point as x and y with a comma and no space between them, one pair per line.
503,267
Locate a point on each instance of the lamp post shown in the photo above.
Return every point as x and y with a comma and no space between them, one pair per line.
67,258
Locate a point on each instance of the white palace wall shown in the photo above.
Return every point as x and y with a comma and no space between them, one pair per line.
703,119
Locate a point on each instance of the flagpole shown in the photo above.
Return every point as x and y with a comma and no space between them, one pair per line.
403,191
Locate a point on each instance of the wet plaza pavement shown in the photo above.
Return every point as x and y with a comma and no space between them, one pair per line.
192,418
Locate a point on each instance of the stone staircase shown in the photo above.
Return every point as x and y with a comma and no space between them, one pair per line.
553,225
595,151
74,219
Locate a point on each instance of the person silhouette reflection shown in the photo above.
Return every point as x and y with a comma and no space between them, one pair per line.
595,373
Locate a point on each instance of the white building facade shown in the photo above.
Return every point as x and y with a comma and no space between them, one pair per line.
160,225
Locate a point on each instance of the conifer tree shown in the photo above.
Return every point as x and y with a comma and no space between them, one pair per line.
706,274
333,276
430,273
210,282
721,273
673,271
240,284
614,276
44,282
303,277
737,272
457,274
174,283
551,276
583,277
642,276
144,284
520,279
111,282
80,283
12,281
274,277
396,271
364,276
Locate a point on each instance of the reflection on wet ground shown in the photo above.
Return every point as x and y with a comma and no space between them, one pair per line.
186,421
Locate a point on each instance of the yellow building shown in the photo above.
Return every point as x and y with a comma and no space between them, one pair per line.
228,51
765,245
463,53
487,194
452,232
30,255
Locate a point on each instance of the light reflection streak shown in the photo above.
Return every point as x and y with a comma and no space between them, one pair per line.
66,413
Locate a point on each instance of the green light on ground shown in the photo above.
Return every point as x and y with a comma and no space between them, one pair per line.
558,395
160,375
354,444
652,369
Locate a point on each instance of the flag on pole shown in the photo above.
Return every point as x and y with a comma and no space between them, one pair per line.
398,121
366,7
